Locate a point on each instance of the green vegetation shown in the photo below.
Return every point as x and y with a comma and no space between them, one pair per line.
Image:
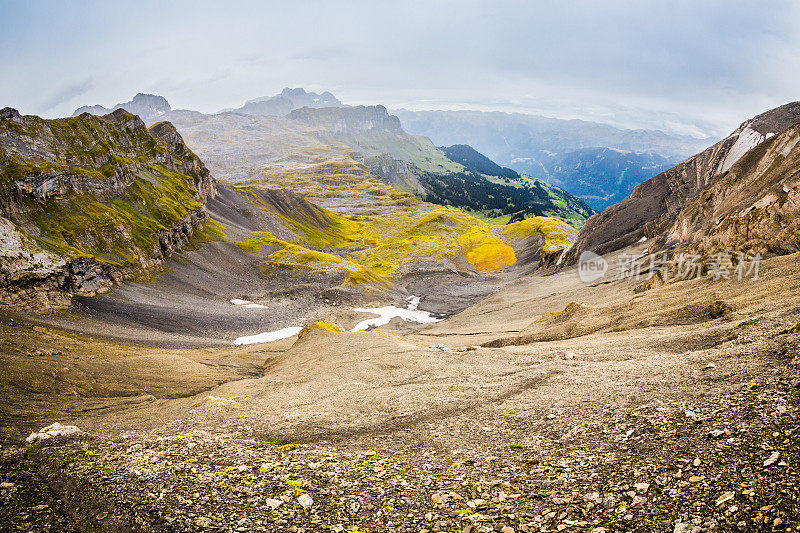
121,231
370,250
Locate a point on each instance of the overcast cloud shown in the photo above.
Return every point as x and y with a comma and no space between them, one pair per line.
696,67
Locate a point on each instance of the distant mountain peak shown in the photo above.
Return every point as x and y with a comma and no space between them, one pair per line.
287,101
147,106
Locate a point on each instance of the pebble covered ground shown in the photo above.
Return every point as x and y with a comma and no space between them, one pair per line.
724,464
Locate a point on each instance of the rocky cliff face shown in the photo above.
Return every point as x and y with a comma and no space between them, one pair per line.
752,208
349,120
653,206
89,201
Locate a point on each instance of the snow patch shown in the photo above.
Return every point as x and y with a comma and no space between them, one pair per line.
269,336
247,304
388,312
746,141
53,430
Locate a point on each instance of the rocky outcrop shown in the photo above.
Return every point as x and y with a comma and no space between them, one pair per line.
89,201
398,173
654,205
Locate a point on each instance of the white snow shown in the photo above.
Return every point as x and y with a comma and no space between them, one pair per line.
747,140
269,336
53,430
247,304
388,312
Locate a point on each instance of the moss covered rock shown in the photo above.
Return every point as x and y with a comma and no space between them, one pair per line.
103,194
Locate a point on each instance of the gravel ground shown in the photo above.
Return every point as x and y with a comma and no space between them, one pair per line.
664,420
724,465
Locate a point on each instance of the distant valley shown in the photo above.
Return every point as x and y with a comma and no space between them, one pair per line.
598,163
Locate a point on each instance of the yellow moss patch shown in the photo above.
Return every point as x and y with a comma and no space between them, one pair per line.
318,326
365,276
557,234
484,251
303,256
253,245
569,310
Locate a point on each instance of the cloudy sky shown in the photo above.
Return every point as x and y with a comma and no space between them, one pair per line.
695,67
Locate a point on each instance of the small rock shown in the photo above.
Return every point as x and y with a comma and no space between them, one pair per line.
53,430
696,461
686,527
772,458
716,433
551,416
710,366
507,529
728,496
592,497
305,500
477,503
273,503
641,488
692,416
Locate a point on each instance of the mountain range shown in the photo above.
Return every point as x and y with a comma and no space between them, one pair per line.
149,107
598,163
318,320
242,146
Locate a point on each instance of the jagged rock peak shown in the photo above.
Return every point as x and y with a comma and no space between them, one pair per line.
9,113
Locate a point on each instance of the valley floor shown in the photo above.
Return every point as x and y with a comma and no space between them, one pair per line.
673,409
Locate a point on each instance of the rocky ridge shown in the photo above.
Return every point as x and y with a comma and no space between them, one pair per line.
90,201
754,207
